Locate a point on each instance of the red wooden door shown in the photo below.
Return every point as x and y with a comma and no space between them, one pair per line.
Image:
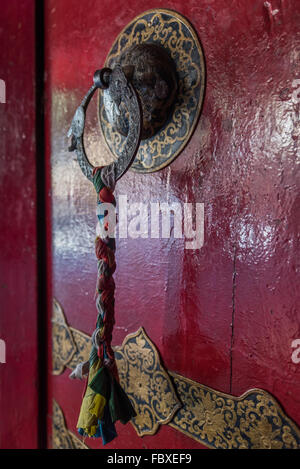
225,315
22,400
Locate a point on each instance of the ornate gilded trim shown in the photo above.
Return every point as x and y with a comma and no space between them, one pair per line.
214,419
141,374
69,346
252,421
83,344
176,35
62,438
146,383
63,345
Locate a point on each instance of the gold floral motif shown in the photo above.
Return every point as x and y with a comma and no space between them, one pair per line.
218,420
146,383
83,347
173,32
214,419
63,345
62,438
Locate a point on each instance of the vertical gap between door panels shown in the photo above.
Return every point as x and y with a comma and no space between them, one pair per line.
41,225
232,317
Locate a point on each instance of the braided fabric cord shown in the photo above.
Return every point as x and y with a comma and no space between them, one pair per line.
105,288
104,401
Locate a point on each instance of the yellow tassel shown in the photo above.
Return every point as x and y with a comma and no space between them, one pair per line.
97,406
92,406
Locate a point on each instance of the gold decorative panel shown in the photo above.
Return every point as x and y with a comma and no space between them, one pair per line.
218,420
146,383
83,345
141,374
69,346
63,347
214,419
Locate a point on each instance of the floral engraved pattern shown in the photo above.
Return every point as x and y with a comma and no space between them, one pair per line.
173,32
63,345
214,419
217,420
146,383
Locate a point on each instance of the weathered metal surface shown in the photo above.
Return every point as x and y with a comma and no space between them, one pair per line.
153,76
171,107
122,96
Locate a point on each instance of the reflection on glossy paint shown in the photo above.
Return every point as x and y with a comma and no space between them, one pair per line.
255,240
240,162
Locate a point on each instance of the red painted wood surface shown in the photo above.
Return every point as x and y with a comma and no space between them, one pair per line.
226,315
18,253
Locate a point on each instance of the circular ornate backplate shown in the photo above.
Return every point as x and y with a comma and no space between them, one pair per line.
173,32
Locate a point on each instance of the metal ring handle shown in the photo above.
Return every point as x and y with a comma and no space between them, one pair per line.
121,92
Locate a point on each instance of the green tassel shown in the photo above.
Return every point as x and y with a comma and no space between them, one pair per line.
119,404
97,181
100,384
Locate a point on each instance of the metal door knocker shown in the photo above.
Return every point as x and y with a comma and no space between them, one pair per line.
122,96
152,89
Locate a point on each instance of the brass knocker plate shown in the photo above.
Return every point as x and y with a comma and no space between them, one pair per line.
175,34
